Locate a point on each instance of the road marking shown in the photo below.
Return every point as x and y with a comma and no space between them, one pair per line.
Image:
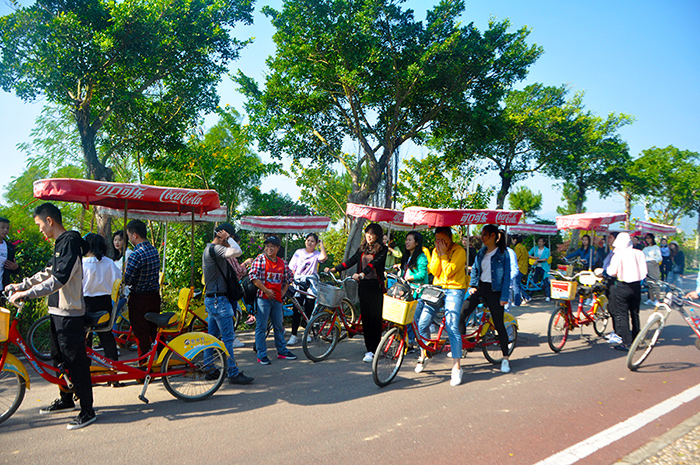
596,442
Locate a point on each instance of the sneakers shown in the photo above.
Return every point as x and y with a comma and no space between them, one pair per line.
264,361
292,340
613,338
456,378
505,366
82,420
58,406
649,302
287,356
241,379
237,344
212,375
547,299
369,356
250,320
525,301
621,347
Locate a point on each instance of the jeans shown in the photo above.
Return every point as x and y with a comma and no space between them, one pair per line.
220,318
454,298
416,318
673,278
516,289
272,310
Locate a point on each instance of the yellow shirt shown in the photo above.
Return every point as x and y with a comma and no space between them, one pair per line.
521,252
448,269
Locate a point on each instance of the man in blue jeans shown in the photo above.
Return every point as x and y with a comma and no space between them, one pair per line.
219,309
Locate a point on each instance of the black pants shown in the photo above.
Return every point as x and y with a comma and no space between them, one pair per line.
610,294
144,331
492,299
103,303
68,350
308,304
371,301
627,297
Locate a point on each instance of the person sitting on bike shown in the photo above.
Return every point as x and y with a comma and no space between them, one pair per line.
370,260
272,277
62,281
414,269
629,266
677,267
99,275
541,256
304,264
490,281
652,253
447,264
584,252
694,295
519,295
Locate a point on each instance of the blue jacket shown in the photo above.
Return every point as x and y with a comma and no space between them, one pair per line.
500,272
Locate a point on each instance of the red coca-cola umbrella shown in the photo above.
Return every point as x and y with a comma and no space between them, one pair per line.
590,221
285,224
374,214
435,217
655,228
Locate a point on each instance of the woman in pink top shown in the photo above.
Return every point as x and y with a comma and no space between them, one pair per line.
304,264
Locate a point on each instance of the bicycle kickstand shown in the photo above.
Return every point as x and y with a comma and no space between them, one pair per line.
142,396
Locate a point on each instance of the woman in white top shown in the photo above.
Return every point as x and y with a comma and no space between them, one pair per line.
653,257
629,266
99,275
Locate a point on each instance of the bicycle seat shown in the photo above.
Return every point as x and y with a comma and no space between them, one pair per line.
97,319
162,320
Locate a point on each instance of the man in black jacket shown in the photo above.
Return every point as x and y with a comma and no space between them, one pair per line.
7,254
62,282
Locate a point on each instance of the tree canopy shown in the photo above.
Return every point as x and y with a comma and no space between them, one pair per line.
524,199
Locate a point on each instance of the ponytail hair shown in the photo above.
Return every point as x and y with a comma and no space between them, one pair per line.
500,235
97,245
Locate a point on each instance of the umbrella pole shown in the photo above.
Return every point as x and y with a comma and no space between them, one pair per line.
468,242
286,246
192,252
165,246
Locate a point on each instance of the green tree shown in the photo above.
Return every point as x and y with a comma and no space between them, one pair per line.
139,73
323,189
433,182
368,72
274,203
569,196
524,199
516,139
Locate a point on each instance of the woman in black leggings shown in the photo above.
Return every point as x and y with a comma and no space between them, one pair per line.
490,280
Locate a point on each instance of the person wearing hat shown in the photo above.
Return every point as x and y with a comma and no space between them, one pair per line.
219,308
677,267
271,275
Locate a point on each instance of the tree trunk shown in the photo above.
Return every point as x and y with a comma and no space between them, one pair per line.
506,183
697,234
628,208
580,199
389,178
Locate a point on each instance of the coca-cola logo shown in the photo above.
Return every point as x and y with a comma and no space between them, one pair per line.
181,197
474,218
121,191
398,217
507,217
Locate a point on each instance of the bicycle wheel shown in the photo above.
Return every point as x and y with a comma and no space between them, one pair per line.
320,337
491,346
600,319
644,342
350,311
197,324
124,336
558,329
39,338
197,379
12,388
389,356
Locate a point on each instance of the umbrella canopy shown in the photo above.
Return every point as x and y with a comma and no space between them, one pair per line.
116,195
213,216
590,221
447,217
541,229
655,228
285,224
374,214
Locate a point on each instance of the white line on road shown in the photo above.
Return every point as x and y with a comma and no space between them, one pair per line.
596,442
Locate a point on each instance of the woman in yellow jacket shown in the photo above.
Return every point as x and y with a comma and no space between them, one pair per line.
446,264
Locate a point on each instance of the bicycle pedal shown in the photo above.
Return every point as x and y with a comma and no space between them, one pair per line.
143,399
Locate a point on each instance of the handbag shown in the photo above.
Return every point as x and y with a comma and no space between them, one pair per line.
249,290
234,291
433,296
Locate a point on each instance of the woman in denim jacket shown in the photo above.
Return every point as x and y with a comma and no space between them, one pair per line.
490,280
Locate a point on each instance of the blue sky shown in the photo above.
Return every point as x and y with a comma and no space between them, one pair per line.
636,57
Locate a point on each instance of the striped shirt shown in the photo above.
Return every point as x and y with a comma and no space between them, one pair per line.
142,268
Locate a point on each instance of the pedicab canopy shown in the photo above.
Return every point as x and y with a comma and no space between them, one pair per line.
540,229
655,228
121,195
435,217
213,216
285,224
590,221
387,218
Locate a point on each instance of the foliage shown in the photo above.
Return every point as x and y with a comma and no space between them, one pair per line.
669,182
515,139
323,189
368,72
273,203
137,72
334,241
570,198
435,182
526,200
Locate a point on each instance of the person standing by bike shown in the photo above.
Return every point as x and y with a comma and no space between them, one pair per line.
216,301
541,256
585,252
272,277
447,265
677,266
62,281
490,281
370,260
629,266
652,253
414,269
304,264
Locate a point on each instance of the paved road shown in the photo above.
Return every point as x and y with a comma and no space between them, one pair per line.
299,412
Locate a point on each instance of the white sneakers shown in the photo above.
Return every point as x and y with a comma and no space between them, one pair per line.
613,338
505,366
237,344
547,299
422,362
456,378
292,340
369,356
649,302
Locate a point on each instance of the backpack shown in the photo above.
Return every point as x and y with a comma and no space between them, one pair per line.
234,291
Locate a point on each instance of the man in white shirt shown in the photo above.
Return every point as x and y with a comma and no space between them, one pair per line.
628,265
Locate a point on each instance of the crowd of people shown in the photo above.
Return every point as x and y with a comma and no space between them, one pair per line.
80,278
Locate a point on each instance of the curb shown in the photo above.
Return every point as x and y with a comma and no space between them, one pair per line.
656,445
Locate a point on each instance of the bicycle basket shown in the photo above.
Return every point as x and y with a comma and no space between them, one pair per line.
351,287
5,317
329,295
398,311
